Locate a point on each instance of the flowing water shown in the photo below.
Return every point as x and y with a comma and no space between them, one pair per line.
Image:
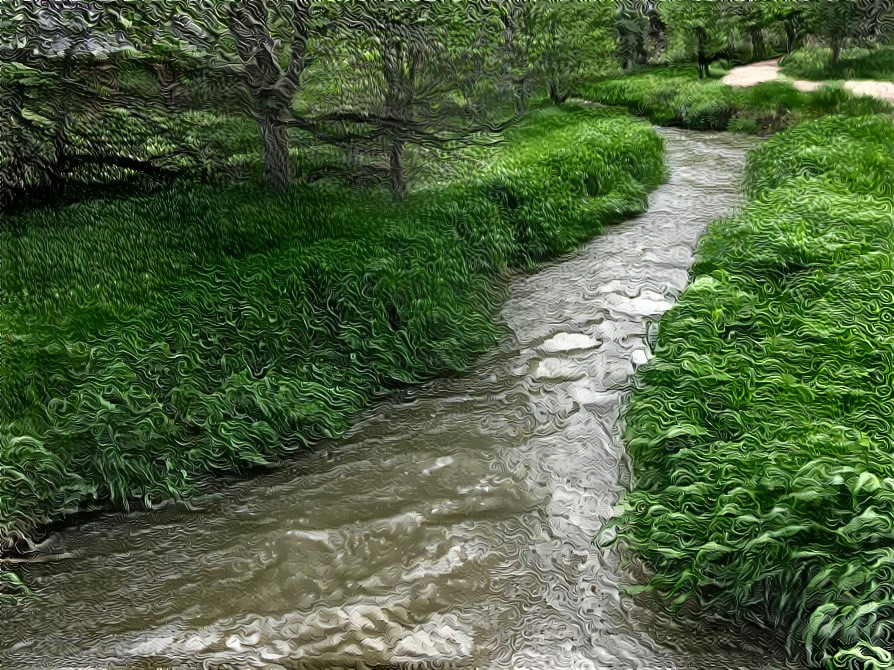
452,529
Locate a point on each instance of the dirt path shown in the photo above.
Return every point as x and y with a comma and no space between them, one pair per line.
769,70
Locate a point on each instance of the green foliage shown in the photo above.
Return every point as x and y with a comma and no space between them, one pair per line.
673,96
70,120
762,435
814,64
13,591
153,337
755,29
570,43
669,97
633,25
367,75
757,19
686,18
836,21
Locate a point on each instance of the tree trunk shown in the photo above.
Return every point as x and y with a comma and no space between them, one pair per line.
271,89
836,51
554,94
277,162
789,37
701,37
398,178
641,56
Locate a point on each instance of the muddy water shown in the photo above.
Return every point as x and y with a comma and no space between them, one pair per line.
451,530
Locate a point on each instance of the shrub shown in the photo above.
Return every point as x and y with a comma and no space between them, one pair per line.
674,97
669,97
815,64
763,435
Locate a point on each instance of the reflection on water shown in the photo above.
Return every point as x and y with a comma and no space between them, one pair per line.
452,530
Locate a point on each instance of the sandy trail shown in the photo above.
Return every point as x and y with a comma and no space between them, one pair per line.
769,70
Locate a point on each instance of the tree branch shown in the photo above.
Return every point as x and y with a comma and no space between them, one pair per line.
125,162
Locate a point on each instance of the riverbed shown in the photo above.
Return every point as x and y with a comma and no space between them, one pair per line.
452,528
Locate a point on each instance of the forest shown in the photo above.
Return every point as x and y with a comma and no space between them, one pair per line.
232,231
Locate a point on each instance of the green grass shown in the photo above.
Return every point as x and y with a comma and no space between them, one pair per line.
668,96
816,64
152,338
674,96
763,434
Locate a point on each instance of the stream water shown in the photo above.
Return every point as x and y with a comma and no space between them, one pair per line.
452,529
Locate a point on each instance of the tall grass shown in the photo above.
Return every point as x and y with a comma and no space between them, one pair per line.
675,97
154,337
816,64
669,96
763,435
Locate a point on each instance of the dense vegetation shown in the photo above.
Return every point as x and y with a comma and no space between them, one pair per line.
763,434
815,64
151,338
230,225
673,96
754,29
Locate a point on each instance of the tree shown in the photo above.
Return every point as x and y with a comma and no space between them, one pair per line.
568,43
836,21
82,101
633,25
266,43
790,14
753,17
700,27
243,56
398,73
412,73
272,72
513,50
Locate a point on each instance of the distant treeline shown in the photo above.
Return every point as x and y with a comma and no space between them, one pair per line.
95,90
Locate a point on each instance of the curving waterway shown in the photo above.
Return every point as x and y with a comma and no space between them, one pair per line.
450,529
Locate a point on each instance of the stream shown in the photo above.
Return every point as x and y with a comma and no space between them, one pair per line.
452,528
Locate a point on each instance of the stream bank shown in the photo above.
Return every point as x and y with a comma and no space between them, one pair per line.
452,530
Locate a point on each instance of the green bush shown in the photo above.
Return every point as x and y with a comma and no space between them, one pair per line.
669,97
150,338
763,435
675,97
816,64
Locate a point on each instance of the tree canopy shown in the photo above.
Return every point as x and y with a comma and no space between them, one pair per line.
100,89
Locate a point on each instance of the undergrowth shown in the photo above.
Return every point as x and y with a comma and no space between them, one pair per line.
763,434
816,64
676,97
151,338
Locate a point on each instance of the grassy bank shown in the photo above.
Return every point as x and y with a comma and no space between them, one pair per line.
152,338
674,96
763,436
816,64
